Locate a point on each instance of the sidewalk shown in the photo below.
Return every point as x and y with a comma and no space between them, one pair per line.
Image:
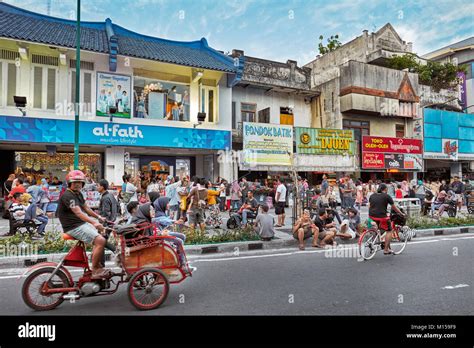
283,239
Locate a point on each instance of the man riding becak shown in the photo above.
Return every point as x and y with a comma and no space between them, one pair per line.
74,216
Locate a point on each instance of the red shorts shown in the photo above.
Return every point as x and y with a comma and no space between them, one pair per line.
383,223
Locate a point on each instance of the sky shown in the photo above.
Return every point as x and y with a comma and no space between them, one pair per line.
276,29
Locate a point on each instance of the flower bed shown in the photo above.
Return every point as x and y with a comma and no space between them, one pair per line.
54,243
427,223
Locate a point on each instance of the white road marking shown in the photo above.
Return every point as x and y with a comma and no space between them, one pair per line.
450,287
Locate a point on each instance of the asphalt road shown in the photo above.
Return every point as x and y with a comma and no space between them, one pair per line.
434,276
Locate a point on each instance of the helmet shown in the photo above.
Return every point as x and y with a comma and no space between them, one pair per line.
75,176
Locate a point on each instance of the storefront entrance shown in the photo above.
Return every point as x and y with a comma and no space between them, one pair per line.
161,166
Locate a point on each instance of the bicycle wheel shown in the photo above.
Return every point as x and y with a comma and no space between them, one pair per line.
148,288
32,289
368,244
400,238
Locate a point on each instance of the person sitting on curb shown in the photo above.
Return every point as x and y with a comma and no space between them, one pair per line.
327,230
304,228
350,225
264,224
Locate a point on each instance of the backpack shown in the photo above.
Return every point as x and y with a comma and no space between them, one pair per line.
126,196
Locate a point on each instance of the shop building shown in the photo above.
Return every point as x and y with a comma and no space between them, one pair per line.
359,93
272,96
449,144
139,101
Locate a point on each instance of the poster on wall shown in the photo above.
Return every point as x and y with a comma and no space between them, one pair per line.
267,144
113,90
324,141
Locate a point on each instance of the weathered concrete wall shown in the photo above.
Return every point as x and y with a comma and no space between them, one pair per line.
375,77
273,100
270,73
428,96
361,49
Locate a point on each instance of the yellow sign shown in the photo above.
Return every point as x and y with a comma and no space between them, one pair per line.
324,141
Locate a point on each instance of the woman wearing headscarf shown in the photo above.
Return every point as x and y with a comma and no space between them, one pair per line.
162,220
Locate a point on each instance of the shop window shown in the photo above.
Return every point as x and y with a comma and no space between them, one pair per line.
85,96
248,111
40,164
44,87
400,130
209,102
286,116
264,116
162,100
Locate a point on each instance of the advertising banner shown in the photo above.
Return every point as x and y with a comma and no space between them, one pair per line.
321,141
113,90
393,161
267,144
414,162
391,145
462,87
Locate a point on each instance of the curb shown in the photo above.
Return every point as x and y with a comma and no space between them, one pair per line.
200,249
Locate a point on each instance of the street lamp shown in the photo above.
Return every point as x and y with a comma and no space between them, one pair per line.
78,85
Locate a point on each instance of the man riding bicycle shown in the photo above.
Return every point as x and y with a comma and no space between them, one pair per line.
378,203
74,216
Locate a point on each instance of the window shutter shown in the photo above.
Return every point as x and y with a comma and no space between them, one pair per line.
51,89
38,87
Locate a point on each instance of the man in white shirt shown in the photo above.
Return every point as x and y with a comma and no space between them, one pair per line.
280,202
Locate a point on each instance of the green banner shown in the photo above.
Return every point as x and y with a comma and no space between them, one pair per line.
322,141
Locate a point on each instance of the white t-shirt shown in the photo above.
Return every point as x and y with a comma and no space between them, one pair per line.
222,194
130,188
282,189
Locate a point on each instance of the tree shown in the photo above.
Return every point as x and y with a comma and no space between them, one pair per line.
434,74
333,44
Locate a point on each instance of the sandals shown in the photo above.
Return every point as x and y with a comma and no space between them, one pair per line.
301,247
390,252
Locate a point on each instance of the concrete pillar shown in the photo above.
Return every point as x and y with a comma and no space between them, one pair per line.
199,166
456,169
114,164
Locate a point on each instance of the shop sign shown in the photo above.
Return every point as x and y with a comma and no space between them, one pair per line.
324,141
391,145
450,148
373,160
462,87
267,144
53,131
392,161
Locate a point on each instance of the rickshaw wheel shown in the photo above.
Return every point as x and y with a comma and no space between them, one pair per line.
148,288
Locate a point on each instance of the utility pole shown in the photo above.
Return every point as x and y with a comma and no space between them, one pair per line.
78,85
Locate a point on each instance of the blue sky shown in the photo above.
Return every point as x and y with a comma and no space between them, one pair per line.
276,29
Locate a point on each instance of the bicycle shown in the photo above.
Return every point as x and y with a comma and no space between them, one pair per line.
372,239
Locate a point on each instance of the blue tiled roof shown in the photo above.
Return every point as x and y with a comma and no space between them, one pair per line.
20,24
